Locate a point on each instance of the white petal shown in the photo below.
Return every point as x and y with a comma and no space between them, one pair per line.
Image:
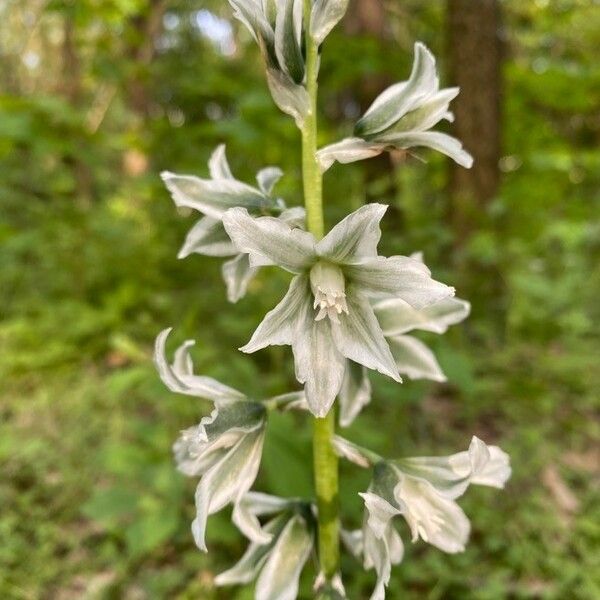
279,579
325,15
319,364
218,165
270,241
355,393
355,454
294,216
193,456
207,237
451,475
288,25
237,274
432,517
267,178
353,541
397,316
347,151
398,99
286,400
355,236
290,97
279,325
227,481
250,13
446,144
252,505
359,337
381,553
213,197
425,115
400,276
380,513
254,558
414,359
178,378
495,472
200,447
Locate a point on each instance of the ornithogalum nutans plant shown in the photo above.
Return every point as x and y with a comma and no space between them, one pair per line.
347,310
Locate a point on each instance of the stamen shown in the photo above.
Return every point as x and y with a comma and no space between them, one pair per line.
328,286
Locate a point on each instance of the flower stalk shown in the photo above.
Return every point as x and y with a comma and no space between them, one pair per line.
325,460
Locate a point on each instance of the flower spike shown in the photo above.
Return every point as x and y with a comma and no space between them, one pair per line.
326,315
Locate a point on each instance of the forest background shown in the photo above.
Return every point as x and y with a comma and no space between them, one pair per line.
98,96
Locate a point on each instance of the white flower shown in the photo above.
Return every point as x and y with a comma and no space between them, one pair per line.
378,553
326,316
401,117
413,358
225,448
423,490
278,562
277,27
212,197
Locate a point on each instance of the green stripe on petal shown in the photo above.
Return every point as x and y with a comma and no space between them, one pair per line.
400,98
270,241
397,316
359,337
279,325
319,363
254,558
414,359
347,151
354,237
401,276
227,481
279,579
355,393
179,377
288,26
213,197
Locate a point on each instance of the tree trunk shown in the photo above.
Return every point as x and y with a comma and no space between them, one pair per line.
475,58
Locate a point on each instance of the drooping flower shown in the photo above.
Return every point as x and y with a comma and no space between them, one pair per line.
326,315
413,358
277,28
423,490
278,562
225,448
378,553
401,117
212,198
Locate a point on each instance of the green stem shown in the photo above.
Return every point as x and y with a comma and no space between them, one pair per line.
325,460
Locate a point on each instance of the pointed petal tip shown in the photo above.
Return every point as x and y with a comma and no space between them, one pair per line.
166,175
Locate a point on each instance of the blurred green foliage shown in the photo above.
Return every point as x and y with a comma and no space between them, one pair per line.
97,98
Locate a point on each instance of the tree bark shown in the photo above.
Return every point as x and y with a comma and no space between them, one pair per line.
475,58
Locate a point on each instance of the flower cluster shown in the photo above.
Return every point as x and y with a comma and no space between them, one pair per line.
347,310
423,490
401,117
326,315
212,198
277,26
225,448
276,562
